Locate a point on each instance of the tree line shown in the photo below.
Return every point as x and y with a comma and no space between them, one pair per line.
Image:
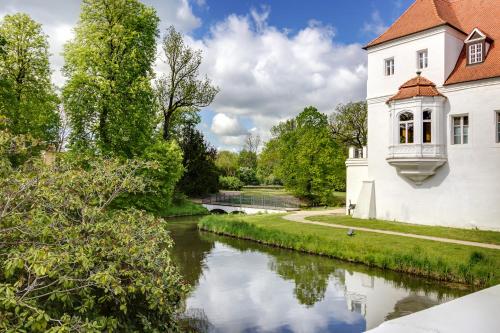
306,154
82,246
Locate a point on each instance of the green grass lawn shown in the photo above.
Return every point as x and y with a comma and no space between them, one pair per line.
184,208
443,261
481,236
258,191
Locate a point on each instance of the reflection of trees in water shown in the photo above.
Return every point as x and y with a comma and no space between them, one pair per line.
190,249
311,273
196,321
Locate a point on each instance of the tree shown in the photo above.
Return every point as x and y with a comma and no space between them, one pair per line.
247,159
181,89
27,96
201,175
70,263
227,162
252,143
310,162
349,124
108,96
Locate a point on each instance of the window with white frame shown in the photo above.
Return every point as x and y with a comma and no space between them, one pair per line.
422,59
406,128
427,126
389,67
498,126
475,53
460,130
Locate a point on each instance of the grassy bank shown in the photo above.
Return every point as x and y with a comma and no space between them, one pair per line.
480,236
183,208
443,261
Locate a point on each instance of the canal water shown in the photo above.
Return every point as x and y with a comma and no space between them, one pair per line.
242,286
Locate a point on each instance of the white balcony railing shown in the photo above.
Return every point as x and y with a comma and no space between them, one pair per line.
417,151
358,153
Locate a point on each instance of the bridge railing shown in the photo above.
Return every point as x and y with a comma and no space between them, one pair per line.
252,200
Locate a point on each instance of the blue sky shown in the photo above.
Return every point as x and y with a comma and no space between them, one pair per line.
270,59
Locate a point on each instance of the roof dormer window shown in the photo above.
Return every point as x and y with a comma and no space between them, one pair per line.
475,53
477,45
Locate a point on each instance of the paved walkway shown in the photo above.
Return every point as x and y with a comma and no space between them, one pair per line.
300,217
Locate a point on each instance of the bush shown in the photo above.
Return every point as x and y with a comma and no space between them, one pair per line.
230,183
74,264
161,176
248,176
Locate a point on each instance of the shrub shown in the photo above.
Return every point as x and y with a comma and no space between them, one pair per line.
230,183
70,263
248,176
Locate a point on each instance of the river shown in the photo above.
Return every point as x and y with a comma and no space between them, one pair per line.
242,286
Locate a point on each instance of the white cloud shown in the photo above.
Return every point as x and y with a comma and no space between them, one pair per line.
175,12
227,126
375,26
268,75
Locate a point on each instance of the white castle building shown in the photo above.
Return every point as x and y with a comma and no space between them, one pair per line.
433,94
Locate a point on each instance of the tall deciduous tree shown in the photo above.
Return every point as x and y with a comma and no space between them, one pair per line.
310,162
181,89
108,96
27,96
349,124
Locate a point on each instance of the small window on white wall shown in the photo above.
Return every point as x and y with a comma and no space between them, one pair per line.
460,130
406,128
389,67
422,59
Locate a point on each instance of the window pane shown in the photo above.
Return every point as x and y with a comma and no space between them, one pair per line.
466,120
498,126
457,131
402,133
427,115
405,116
410,132
427,132
466,134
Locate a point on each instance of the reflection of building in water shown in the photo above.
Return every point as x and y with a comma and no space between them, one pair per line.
378,299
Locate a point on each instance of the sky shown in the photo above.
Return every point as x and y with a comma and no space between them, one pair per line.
270,59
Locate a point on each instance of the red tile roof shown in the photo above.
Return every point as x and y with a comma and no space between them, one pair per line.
463,15
418,86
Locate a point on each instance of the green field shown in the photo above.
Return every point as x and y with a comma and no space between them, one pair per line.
442,261
453,233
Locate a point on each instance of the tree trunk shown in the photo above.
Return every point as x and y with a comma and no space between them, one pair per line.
166,125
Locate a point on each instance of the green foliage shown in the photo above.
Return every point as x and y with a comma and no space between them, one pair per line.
108,96
28,102
247,176
72,264
181,90
442,261
305,157
349,124
201,175
247,159
166,157
230,183
227,162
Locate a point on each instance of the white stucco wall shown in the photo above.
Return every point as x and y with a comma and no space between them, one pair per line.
357,171
465,191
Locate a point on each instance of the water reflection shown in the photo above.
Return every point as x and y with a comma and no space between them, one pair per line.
241,286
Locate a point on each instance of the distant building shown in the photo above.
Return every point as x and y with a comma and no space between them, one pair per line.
433,97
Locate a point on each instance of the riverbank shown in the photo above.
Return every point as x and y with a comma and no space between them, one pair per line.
183,208
442,261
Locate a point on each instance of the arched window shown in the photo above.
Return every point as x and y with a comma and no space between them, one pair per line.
427,126
406,127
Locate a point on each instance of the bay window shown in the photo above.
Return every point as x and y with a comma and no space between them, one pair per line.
406,128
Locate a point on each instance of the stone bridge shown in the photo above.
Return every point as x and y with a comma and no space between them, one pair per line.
248,204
